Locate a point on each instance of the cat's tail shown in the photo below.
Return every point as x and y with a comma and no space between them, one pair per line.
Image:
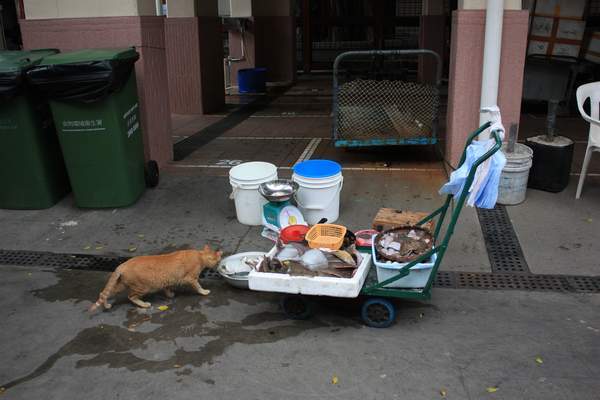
107,291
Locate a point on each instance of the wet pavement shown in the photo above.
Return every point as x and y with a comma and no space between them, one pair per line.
236,344
463,344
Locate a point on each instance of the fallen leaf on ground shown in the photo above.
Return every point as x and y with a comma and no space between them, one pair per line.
443,392
334,380
492,389
132,249
589,220
87,247
99,247
141,235
539,360
2,390
176,366
163,308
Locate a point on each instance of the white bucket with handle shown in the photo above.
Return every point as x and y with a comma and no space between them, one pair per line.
320,184
245,180
515,174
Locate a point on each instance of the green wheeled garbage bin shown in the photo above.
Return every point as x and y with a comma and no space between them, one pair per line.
32,170
94,102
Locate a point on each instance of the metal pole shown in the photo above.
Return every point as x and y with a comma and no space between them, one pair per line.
491,58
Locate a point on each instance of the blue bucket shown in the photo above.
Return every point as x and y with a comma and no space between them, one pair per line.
252,80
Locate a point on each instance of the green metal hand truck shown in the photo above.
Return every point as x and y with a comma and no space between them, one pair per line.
377,311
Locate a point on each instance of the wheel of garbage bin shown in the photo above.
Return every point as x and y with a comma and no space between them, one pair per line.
296,307
378,313
152,174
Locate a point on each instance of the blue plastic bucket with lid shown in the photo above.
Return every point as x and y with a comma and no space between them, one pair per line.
252,80
320,184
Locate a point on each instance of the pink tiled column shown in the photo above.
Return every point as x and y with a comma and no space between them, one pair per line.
466,57
270,42
276,47
194,53
147,35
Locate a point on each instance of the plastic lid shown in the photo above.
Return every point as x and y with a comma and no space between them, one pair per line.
317,168
253,171
87,55
16,60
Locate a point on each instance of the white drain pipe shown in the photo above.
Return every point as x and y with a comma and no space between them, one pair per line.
491,59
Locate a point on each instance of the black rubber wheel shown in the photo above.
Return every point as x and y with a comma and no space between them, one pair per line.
378,313
152,174
296,307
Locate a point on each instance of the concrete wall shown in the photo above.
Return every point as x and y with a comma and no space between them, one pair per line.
46,9
269,42
194,54
466,56
194,51
271,8
191,8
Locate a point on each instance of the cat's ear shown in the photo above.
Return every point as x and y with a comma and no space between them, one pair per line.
219,253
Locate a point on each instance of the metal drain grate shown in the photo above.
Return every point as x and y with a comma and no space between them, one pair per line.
443,279
60,260
85,262
501,242
513,281
585,283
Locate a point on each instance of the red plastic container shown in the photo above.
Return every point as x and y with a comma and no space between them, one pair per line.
293,233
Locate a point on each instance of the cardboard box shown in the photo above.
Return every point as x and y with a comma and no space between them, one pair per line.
389,218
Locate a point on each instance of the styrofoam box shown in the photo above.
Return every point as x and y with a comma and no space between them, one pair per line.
416,278
317,285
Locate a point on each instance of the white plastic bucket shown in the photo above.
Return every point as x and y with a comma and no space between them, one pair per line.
515,174
319,198
245,180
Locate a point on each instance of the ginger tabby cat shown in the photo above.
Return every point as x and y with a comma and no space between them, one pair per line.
148,274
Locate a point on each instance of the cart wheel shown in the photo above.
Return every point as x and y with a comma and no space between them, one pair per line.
151,174
296,307
378,313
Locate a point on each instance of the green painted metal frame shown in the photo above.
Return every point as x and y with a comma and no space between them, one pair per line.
425,293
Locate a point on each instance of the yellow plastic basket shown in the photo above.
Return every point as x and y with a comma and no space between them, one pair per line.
327,236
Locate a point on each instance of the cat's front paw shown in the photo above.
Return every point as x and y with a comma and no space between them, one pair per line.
204,292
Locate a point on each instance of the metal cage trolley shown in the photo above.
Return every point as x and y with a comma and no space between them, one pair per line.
379,99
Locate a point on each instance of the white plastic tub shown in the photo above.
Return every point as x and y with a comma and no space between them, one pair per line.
320,184
515,174
416,279
245,180
318,285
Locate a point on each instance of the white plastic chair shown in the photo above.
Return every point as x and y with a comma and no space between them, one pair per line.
589,91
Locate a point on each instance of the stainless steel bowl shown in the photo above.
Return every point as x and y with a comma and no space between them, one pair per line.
278,190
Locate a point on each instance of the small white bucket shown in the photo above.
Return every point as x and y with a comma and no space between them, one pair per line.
515,174
319,197
245,180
